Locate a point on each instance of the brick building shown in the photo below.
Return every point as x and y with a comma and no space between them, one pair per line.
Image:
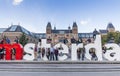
65,35
16,31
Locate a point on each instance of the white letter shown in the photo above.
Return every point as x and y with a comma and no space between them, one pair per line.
44,44
97,46
29,50
113,53
63,51
74,50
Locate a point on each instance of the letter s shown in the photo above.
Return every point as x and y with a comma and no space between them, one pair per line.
29,51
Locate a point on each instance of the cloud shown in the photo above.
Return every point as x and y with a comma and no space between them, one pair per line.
85,22
17,2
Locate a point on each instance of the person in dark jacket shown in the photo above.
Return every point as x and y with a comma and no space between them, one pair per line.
2,50
56,54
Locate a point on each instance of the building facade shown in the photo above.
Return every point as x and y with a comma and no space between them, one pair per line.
54,36
16,31
110,28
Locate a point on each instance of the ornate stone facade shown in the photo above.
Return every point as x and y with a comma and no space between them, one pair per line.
56,35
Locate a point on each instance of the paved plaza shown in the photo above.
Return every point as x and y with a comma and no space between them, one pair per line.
21,68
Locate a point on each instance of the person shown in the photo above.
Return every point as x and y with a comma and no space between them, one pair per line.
52,53
56,54
39,53
78,53
8,40
13,53
43,52
48,53
73,40
93,54
16,40
35,51
104,49
3,41
83,53
2,50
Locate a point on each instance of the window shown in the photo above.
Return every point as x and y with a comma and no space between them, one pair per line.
61,32
25,31
83,35
87,35
13,28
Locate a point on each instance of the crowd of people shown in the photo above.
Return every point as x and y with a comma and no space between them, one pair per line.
53,53
6,40
50,53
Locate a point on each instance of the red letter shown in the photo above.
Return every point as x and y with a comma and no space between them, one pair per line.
8,48
18,51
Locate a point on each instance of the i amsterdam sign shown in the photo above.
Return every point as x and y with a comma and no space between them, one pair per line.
28,53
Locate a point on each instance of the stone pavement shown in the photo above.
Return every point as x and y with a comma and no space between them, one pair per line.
57,66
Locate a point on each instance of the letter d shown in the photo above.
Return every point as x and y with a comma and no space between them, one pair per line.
97,46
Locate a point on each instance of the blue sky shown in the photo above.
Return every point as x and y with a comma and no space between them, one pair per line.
35,14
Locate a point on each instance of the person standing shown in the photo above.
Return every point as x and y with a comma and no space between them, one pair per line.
78,53
16,40
43,52
83,53
39,53
3,41
8,40
35,51
48,53
2,52
56,54
52,53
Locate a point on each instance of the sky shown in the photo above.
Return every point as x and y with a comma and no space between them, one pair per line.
35,14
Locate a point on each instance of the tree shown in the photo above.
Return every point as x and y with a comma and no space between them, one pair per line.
104,39
23,39
114,36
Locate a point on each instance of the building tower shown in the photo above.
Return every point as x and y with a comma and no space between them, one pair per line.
110,28
75,30
48,30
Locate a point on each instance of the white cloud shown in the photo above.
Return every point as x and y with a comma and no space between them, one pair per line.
85,22
17,2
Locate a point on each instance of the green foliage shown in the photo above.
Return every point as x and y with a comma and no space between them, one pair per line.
23,39
111,36
104,39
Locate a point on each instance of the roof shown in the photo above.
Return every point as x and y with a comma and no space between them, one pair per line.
61,31
74,24
18,28
103,31
2,30
110,25
49,25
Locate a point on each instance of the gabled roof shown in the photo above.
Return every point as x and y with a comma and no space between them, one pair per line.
49,25
110,25
74,24
18,28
